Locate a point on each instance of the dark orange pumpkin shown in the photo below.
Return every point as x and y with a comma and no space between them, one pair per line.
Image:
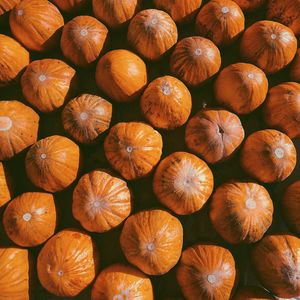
7,5
249,5
5,186
70,6
252,293
295,68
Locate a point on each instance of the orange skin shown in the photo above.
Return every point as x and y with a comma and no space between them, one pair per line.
7,5
70,6
295,68
5,187
252,293
249,5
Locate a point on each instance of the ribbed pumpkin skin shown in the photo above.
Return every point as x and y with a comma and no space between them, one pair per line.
268,156
277,264
52,163
70,6
241,212
67,263
152,241
133,149
30,219
295,68
5,187
18,128
241,87
152,33
206,272
195,60
166,103
249,5
183,182
36,24
252,293
269,45
122,282
7,5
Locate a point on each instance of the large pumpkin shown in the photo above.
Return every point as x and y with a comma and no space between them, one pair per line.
5,185
70,6
67,263
252,293
7,5
183,182
249,5
152,241
268,156
52,163
36,24
295,68
133,149
269,45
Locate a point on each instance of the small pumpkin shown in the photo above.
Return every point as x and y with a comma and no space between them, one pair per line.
70,6
67,263
52,163
5,185
7,5
249,5
252,293
152,241
268,156
295,68
183,182
269,45
152,33
133,149
195,60
166,103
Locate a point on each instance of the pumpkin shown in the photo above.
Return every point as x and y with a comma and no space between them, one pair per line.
195,60
52,163
206,272
222,21
121,75
241,87
70,6
5,185
152,33
122,282
166,103
183,182
268,156
86,117
36,24
133,149
249,5
252,293
7,5
214,134
82,40
30,219
269,45
277,262
18,128
152,241
295,68
67,263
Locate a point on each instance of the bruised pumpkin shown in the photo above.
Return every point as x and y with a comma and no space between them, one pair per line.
5,186
252,293
70,6
295,68
7,5
249,5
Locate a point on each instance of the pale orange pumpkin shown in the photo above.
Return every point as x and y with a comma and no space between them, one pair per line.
70,6
295,68
7,5
5,185
249,5
252,293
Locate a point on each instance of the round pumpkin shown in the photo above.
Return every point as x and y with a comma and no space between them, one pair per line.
18,128
7,5
52,163
86,117
241,87
183,182
133,149
222,21
70,6
269,45
206,272
252,293
152,241
30,219
36,24
5,186
121,75
152,33
214,134
195,60
277,263
268,156
295,68
249,5
67,263
166,103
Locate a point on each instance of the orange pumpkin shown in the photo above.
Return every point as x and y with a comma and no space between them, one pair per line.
5,186
241,87
48,83
214,134
70,6
18,128
86,117
206,272
133,149
121,75
268,155
36,24
166,103
183,182
295,68
195,60
82,40
67,263
152,33
277,263
249,5
7,5
269,45
252,293
152,241
222,21
52,163
30,219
